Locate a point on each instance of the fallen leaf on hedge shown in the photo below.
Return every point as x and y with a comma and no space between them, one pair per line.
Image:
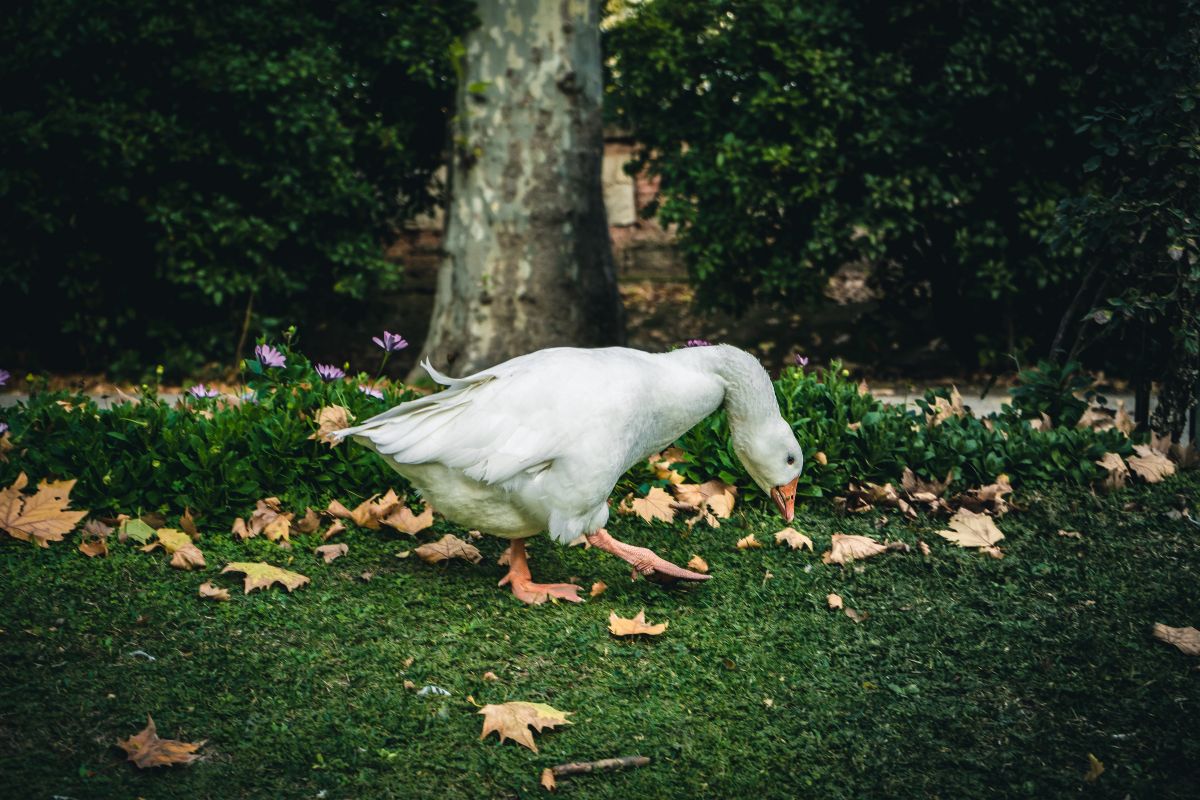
95,538
404,520
927,492
309,523
145,749
548,783
260,575
747,542
187,523
240,530
661,464
1070,534
845,548
449,546
968,529
1097,418
331,551
94,547
834,601
865,496
334,529
1186,639
657,504
42,517
516,719
1117,472
598,588
821,458
330,419
942,409
631,627
184,553
1150,465
135,529
697,563
793,538
210,592
986,498
1095,769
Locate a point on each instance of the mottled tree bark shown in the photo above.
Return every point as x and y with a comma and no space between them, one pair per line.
528,259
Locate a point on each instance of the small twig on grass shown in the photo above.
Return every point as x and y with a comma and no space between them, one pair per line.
585,767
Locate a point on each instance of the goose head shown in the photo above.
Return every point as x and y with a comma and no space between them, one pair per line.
772,457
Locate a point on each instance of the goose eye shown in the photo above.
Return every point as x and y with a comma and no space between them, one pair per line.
791,460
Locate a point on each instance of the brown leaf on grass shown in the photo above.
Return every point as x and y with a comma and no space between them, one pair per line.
845,548
1186,639
631,627
1123,421
330,419
95,538
855,616
598,588
518,720
968,529
505,557
657,504
661,464
1042,423
449,546
547,781
42,517
834,601
329,552
1070,534
491,676
269,519
187,524
1117,472
133,529
698,564
793,538
94,547
405,521
145,749
260,575
183,551
1150,465
926,492
1095,769
334,529
712,500
279,529
210,592
240,529
865,496
942,409
309,523
747,542
924,548
338,511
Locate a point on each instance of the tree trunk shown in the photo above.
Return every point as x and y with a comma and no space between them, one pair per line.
528,260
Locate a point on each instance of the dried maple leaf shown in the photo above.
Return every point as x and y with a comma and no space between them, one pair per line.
942,409
987,498
747,542
834,601
845,548
491,676
449,546
94,547
42,517
515,720
184,553
657,504
598,588
6,445
547,781
1186,639
134,529
334,529
330,419
968,529
661,464
210,592
697,563
310,522
405,521
631,627
187,523
855,616
1117,472
793,538
145,749
712,500
337,510
865,496
260,576
1150,465
1095,769
331,551
1070,534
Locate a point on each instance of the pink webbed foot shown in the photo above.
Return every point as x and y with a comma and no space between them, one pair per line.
524,589
644,560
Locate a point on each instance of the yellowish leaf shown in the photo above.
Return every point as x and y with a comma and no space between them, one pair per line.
210,592
260,575
1186,639
490,676
698,564
747,542
449,546
95,547
821,458
1150,465
548,783
405,521
1070,534
968,529
330,419
183,551
793,538
42,517
834,601
1095,769
845,548
145,749
631,627
598,588
331,551
657,504
518,721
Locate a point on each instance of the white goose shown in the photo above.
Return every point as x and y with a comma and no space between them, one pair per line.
537,443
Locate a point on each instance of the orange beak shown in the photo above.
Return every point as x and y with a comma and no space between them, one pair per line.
785,498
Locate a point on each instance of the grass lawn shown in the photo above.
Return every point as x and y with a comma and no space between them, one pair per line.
971,676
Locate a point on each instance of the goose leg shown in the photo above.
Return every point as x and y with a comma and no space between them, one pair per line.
643,559
524,589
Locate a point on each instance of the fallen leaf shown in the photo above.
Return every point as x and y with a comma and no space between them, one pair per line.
334,529
968,529
1095,769
449,546
505,557
183,551
854,615
337,510
6,445
331,551
924,548
1070,534
834,601
712,500
365,514
310,522
330,419
845,548
1097,418
210,592
260,575
942,409
187,523
409,685
367,575
747,542
548,783
145,749
1117,472
661,464
405,521
42,517
515,720
793,538
1150,465
657,504
697,563
1186,639
598,588
95,538
490,676
631,627
94,547
865,496
821,458
987,498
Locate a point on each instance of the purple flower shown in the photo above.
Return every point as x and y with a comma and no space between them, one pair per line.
3,427
698,343
391,342
200,390
330,373
801,361
268,356
4,376
370,391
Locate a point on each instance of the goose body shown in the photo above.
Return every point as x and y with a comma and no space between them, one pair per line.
538,442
